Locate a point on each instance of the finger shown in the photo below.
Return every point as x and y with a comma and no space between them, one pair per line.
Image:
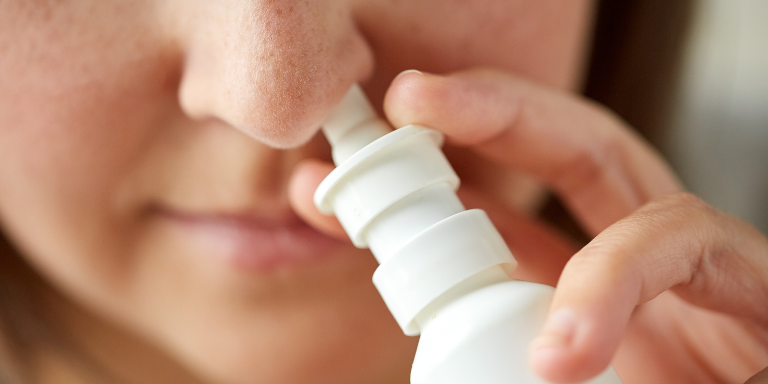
596,164
708,258
301,189
541,252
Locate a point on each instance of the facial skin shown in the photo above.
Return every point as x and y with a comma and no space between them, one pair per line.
141,142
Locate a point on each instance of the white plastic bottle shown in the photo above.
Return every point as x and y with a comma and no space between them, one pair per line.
444,271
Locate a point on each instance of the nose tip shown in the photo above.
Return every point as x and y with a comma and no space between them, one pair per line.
274,69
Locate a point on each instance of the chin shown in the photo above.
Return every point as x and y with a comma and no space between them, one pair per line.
310,320
344,338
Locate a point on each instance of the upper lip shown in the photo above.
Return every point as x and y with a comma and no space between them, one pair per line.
245,217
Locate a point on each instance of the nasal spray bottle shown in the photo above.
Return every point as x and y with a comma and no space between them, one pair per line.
444,270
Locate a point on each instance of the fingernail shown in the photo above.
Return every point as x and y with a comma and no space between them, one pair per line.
407,72
558,331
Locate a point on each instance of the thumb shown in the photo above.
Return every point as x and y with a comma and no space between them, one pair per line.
306,177
708,258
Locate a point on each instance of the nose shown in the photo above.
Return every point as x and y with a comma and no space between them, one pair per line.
270,68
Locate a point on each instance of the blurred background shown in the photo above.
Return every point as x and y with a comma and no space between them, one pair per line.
717,138
692,77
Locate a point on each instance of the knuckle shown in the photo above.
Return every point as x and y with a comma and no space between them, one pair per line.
694,227
592,163
684,203
681,212
685,199
609,249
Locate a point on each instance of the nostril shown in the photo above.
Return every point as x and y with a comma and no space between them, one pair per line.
273,75
271,107
282,109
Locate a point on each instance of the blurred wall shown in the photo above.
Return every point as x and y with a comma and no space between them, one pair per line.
717,138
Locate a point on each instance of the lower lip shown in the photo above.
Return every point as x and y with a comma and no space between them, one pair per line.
252,245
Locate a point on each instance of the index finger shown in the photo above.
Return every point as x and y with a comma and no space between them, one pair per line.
601,169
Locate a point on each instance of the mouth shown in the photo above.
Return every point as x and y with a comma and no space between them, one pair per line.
251,242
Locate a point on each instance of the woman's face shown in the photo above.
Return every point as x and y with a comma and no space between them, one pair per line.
146,147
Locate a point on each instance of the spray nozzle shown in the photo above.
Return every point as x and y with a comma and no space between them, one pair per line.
352,125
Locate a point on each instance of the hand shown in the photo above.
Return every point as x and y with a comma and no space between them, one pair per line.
679,289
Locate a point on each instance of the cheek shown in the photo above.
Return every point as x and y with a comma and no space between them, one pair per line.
541,40
76,112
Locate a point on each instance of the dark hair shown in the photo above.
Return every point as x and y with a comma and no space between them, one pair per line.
19,330
27,327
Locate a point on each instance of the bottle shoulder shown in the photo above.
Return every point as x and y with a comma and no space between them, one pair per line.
490,328
485,336
501,302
